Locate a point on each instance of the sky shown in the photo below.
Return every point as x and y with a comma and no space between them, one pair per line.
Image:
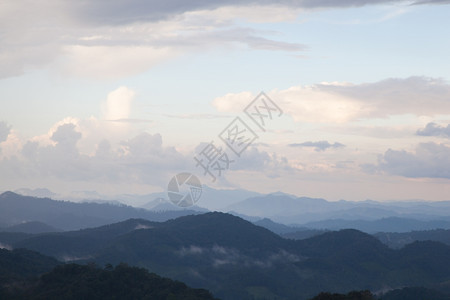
120,96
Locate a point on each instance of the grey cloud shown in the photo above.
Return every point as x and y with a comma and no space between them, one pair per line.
141,159
252,159
415,95
33,37
30,149
243,35
104,150
66,135
257,42
197,116
430,160
133,121
431,2
123,12
433,129
318,146
4,131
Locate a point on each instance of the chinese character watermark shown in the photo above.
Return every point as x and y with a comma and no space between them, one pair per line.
238,136
214,160
262,110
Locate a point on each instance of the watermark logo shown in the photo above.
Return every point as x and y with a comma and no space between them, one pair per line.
238,136
213,160
262,110
184,189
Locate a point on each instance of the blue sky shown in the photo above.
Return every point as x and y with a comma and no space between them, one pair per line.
117,96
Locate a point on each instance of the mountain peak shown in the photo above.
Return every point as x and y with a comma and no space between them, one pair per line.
8,194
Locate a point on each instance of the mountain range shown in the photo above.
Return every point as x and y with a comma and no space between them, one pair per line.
36,215
236,259
16,209
288,209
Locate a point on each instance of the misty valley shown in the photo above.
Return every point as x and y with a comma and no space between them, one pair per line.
93,250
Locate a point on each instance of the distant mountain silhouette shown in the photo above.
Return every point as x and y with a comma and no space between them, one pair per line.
211,199
16,209
290,232
161,205
274,227
303,234
393,224
236,259
77,245
304,211
399,240
31,227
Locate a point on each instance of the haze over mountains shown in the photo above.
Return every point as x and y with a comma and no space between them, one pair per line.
64,215
238,259
368,216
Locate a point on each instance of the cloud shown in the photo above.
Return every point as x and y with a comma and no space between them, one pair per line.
252,159
433,129
66,136
112,61
345,102
318,146
116,39
4,131
429,160
197,116
432,2
141,159
422,96
118,104
133,121
121,12
113,39
257,160
233,102
381,132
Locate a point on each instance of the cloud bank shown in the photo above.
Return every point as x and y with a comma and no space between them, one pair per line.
113,39
318,146
429,160
346,102
433,129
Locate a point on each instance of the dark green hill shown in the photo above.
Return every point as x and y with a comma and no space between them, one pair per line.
122,282
276,227
79,244
225,229
354,295
22,263
399,239
32,227
29,275
343,242
414,293
236,259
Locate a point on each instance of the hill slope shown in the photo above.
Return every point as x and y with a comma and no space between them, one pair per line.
19,271
236,259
